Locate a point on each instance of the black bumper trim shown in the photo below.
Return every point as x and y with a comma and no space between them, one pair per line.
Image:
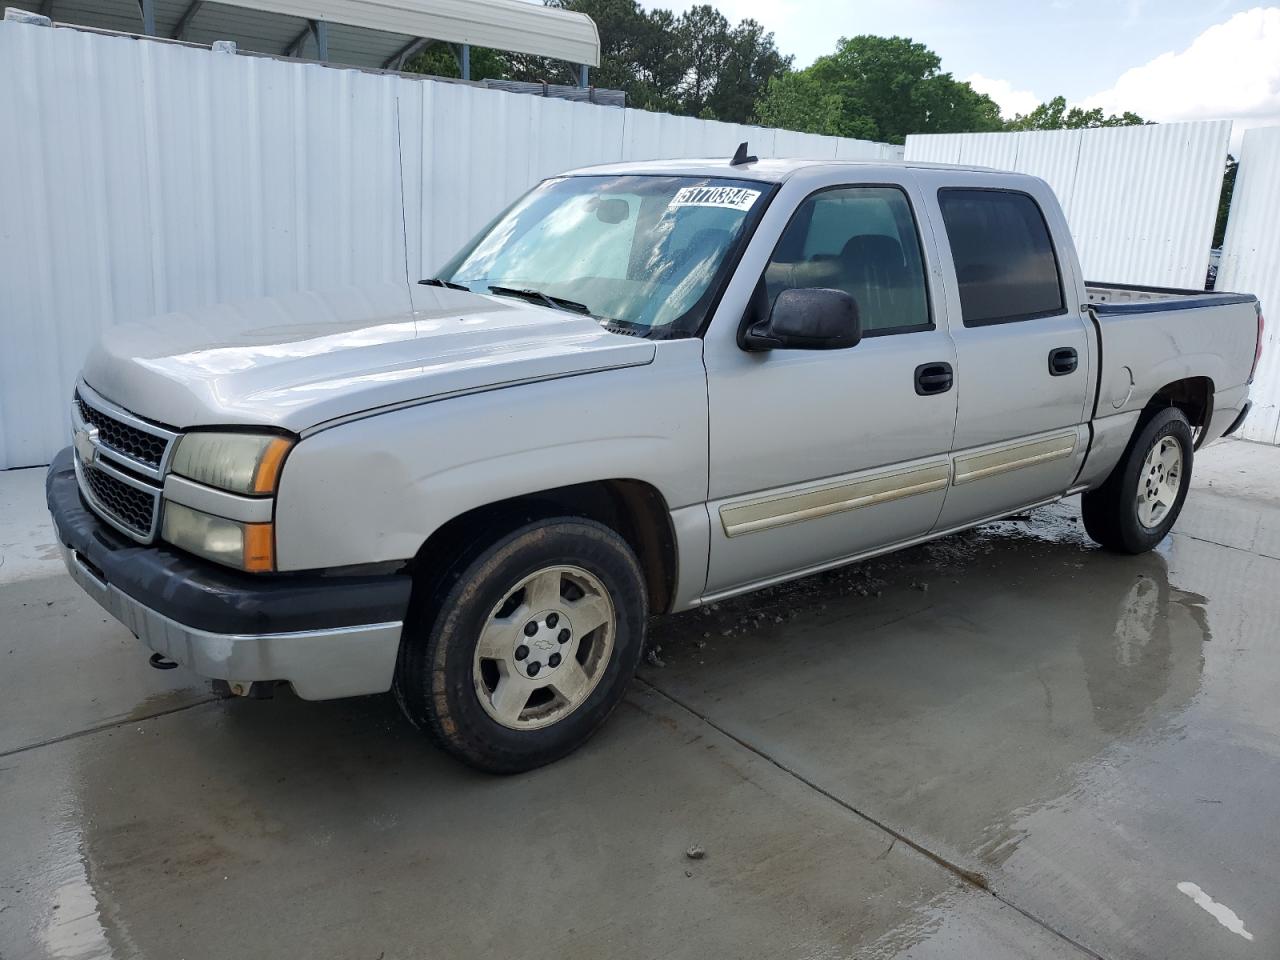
205,596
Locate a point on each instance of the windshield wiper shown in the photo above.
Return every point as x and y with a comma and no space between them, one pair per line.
537,296
437,282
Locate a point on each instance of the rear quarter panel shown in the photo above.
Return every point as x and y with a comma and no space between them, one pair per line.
1145,351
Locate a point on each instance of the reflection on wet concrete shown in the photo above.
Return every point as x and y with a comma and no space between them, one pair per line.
73,927
1028,707
1018,650
333,830
1153,654
1092,734
67,667
939,929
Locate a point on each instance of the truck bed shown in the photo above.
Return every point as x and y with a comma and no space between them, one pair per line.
1130,298
1152,337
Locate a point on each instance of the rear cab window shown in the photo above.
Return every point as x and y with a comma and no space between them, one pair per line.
1006,266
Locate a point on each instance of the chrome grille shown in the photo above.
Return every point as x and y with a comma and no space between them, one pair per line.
130,506
120,463
119,436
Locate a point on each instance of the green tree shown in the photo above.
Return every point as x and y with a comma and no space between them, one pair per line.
657,64
631,59
702,42
751,60
439,60
696,63
1054,115
637,52
799,101
882,88
1224,200
624,35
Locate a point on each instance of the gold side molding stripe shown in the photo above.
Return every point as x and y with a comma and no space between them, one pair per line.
769,512
979,465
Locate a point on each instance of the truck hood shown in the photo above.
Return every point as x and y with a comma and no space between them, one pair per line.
301,360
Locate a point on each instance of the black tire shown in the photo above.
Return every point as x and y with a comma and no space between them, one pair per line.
435,683
1110,512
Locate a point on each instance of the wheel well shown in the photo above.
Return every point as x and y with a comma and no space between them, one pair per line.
1193,396
632,508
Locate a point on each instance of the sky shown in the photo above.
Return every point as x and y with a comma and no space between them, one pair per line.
1166,60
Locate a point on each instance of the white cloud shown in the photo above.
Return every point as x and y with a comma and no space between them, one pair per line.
1231,71
1011,101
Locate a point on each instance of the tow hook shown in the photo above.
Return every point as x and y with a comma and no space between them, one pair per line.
254,690
161,662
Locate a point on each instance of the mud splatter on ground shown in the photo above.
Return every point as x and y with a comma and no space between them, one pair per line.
913,568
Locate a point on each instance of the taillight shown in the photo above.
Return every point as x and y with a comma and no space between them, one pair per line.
1257,351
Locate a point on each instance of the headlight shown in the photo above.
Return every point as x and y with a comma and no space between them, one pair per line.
240,462
246,546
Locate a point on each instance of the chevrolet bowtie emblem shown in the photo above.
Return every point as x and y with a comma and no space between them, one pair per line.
86,443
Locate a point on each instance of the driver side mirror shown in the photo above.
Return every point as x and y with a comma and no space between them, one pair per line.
808,319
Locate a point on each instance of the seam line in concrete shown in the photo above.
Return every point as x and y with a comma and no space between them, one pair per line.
105,726
1228,546
971,877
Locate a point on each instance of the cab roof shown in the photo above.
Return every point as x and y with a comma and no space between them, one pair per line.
765,171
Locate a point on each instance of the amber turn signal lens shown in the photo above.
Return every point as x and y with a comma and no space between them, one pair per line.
268,473
259,547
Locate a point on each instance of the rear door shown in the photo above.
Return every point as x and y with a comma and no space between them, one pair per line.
1021,338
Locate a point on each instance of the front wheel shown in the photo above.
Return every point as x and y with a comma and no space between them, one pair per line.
524,651
1138,504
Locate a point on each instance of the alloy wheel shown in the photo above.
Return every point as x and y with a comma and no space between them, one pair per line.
1159,481
544,647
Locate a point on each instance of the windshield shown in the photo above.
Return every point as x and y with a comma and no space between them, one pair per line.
643,252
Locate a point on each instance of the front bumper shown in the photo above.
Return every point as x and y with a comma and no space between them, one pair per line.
327,635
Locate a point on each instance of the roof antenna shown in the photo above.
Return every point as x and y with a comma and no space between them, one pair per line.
740,156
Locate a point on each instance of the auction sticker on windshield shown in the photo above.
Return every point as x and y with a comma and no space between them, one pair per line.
734,198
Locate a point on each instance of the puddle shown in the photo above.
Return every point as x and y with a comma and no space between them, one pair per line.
69,918
836,592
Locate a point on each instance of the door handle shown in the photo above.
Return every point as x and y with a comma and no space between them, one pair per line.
1063,361
933,378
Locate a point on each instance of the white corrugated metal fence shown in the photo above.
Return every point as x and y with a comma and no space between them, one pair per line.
1251,263
139,177
1141,201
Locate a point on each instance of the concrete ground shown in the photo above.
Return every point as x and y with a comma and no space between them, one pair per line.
1005,744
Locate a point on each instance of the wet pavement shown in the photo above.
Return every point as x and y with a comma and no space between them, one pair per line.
1002,744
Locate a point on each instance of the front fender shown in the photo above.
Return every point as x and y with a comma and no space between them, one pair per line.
375,489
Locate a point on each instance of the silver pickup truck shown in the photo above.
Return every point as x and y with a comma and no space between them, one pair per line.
642,388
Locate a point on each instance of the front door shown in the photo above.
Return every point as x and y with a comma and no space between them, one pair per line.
818,455
1022,349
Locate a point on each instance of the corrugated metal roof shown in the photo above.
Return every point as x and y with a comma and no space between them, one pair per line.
1251,264
501,24
1141,201
365,33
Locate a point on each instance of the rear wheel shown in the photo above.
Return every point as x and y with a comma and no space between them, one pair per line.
524,651
1138,504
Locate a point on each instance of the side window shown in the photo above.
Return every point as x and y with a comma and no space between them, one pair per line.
862,240
1005,264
